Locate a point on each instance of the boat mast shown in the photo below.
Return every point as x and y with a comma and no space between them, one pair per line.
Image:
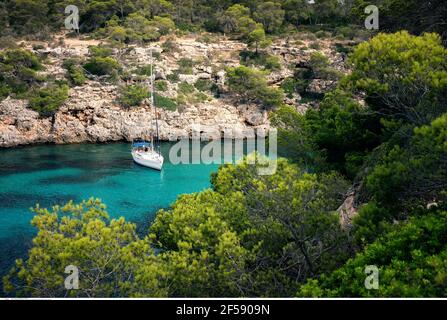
153,103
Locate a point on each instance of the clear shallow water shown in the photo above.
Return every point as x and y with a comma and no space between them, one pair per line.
50,174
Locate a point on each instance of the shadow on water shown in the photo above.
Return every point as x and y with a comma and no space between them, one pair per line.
29,200
50,157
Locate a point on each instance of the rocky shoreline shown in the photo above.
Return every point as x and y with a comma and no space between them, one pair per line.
92,113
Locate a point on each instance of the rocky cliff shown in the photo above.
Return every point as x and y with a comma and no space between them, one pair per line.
92,113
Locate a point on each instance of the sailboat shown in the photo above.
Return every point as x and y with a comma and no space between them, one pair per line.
147,153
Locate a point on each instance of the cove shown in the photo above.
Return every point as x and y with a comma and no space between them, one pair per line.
55,174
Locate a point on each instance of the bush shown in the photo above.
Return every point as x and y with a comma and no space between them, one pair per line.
164,102
100,51
410,258
322,34
265,60
47,101
161,85
321,67
101,66
289,85
139,29
133,95
252,85
18,71
186,88
145,70
174,76
185,65
75,73
203,85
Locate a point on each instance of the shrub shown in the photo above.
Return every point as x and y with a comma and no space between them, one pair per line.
200,97
100,51
164,25
289,85
161,85
132,95
265,60
75,73
185,65
101,66
139,29
343,129
47,101
322,34
320,67
145,70
38,47
252,85
203,85
18,71
186,88
174,76
164,102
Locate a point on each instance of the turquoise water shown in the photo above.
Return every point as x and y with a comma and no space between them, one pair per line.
50,174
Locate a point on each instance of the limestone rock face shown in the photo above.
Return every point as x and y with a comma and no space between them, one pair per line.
93,114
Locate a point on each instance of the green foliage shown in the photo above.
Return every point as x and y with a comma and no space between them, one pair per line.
186,88
47,100
252,85
411,261
256,39
75,73
236,19
139,29
174,76
414,172
18,71
28,16
185,65
111,259
321,69
287,211
262,59
295,140
415,16
103,66
270,14
165,102
161,85
342,129
203,254
203,85
404,76
100,51
133,95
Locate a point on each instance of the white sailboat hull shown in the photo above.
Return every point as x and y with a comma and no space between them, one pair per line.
149,159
